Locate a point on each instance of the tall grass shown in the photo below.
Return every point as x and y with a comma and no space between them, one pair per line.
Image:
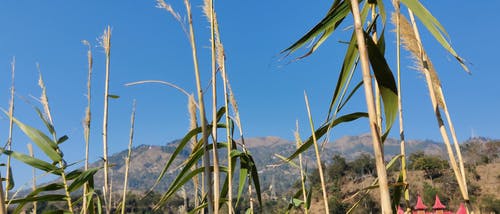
215,191
106,44
127,159
86,123
318,156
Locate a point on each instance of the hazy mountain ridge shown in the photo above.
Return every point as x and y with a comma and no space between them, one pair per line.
147,161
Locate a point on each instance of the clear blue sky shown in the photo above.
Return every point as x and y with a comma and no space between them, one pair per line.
147,43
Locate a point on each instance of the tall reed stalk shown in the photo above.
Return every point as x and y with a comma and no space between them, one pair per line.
193,124
208,8
8,175
3,208
86,123
106,44
404,173
46,107
302,180
33,179
413,43
318,156
127,159
377,142
202,113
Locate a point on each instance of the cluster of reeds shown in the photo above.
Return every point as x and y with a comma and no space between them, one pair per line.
212,181
213,175
382,91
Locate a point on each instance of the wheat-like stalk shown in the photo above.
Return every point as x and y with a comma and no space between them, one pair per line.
86,123
412,42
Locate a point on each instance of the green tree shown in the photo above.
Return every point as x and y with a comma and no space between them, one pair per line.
433,166
363,165
338,167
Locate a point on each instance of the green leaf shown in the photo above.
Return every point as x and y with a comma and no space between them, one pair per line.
179,148
386,83
11,183
185,178
62,139
113,96
324,128
337,13
48,146
433,25
349,65
83,178
34,162
49,126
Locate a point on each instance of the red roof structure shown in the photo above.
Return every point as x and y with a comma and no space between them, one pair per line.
420,204
438,205
461,209
400,211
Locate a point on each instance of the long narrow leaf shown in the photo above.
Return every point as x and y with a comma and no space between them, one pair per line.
333,18
34,162
48,146
323,130
386,83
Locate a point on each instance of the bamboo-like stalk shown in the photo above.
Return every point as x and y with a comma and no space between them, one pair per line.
86,123
209,11
33,180
303,185
400,108
220,59
318,156
385,199
11,125
127,160
3,208
193,124
437,101
106,44
454,137
46,107
250,197
201,104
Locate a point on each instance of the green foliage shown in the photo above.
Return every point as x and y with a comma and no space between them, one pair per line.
48,193
364,164
338,167
433,166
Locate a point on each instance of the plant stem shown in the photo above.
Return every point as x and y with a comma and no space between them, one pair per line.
86,125
33,186
107,48
215,154
303,185
318,156
127,160
11,125
442,129
3,209
377,144
400,108
201,104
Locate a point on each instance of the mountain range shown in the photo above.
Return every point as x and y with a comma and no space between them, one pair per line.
147,161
